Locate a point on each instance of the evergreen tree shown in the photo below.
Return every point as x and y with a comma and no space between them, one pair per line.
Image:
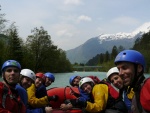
14,49
107,56
101,58
114,52
120,48
143,44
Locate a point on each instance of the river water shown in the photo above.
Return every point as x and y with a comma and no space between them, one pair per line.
62,79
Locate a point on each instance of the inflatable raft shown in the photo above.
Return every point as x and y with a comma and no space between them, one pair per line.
63,94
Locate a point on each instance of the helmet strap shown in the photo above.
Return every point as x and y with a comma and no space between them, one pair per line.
12,85
138,78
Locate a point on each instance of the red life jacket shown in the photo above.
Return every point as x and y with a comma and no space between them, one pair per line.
141,98
112,91
114,101
95,79
9,101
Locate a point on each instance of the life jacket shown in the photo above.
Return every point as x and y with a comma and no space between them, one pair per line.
10,102
95,79
136,105
41,91
114,102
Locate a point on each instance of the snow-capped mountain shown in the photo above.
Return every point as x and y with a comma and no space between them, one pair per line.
142,29
105,42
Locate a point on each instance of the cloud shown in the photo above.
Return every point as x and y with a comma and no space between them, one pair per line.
64,30
124,20
72,2
84,18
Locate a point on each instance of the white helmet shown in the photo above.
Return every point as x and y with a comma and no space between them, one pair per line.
111,71
85,80
28,73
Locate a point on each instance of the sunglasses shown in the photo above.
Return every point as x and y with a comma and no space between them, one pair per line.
10,70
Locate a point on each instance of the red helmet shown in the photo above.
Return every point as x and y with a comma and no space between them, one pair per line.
40,75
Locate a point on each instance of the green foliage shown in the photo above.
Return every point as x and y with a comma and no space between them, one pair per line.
107,56
143,45
44,55
14,49
114,52
38,52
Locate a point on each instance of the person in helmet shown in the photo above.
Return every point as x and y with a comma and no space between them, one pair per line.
72,103
40,79
10,101
27,79
103,97
131,65
40,87
116,80
49,79
74,80
33,96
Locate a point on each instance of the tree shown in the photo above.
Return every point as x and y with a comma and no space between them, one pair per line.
120,48
114,52
101,58
38,45
107,56
14,49
142,45
44,56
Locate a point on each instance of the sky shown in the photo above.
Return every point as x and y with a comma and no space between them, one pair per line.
70,23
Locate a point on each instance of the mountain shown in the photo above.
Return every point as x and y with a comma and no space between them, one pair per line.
105,42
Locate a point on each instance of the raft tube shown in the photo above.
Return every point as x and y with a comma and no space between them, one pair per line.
63,94
68,111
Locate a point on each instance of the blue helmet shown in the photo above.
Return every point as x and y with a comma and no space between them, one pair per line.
11,63
72,78
50,75
132,56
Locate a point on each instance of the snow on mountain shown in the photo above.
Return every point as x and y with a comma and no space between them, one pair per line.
109,37
121,35
144,28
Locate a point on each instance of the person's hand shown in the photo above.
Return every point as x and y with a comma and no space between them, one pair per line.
66,106
53,98
48,109
78,102
82,99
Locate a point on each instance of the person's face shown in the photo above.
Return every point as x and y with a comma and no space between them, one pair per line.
26,82
86,87
12,75
116,80
76,81
48,81
38,82
126,72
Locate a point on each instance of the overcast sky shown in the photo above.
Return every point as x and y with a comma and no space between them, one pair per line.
72,22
